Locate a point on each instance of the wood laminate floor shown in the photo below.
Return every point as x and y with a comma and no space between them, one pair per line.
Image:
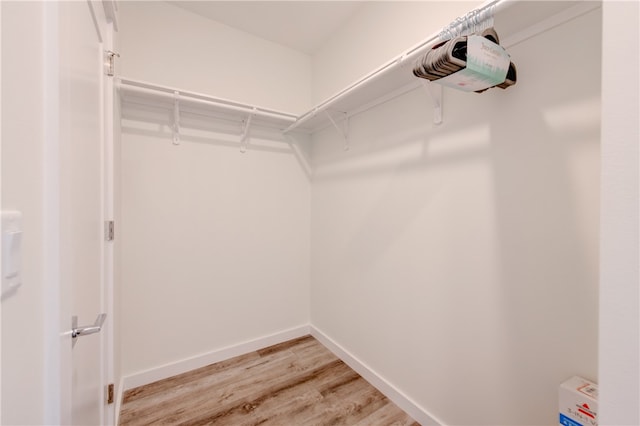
298,382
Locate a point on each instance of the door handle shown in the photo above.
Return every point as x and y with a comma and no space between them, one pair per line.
87,329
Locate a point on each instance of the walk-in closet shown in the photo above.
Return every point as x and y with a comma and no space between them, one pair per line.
323,212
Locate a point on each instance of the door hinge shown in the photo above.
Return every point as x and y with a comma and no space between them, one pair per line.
110,66
109,230
110,393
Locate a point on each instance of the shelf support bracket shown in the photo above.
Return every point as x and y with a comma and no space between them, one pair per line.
176,118
300,156
343,131
245,132
435,92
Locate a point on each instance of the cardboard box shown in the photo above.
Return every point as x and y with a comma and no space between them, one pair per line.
578,402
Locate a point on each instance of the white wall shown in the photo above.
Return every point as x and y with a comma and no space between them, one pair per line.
377,33
552,216
215,246
167,45
214,243
23,140
460,262
619,355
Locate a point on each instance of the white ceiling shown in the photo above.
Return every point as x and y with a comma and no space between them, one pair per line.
300,25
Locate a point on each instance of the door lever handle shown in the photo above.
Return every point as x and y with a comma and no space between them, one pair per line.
87,329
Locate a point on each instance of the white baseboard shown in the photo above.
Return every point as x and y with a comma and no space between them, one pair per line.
418,413
118,401
168,370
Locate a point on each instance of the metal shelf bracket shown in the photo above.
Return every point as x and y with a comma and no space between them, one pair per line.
245,131
176,118
344,130
435,92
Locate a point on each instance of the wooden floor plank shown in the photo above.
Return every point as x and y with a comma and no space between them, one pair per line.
287,382
386,416
188,377
299,343
299,382
220,390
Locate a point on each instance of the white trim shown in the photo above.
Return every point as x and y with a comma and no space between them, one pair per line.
56,355
0,207
619,301
111,12
409,406
94,17
104,273
168,370
118,402
108,212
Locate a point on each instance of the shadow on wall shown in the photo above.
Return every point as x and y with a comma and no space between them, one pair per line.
471,247
204,126
546,165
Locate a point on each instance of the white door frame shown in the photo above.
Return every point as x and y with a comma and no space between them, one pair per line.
51,230
104,27
108,258
56,394
0,199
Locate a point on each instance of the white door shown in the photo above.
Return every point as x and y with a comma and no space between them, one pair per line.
82,242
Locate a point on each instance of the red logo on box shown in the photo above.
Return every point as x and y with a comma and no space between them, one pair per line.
584,409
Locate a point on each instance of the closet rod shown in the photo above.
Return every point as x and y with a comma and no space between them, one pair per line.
409,55
189,97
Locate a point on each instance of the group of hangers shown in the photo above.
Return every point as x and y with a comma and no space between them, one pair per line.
450,56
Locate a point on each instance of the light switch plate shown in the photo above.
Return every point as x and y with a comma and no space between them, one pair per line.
11,231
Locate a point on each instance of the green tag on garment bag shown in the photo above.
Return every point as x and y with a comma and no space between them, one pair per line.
487,66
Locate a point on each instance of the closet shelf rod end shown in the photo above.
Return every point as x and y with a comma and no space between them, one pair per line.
176,118
435,93
245,131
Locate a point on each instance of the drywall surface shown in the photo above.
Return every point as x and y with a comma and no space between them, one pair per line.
167,45
215,243
23,375
376,34
460,261
619,294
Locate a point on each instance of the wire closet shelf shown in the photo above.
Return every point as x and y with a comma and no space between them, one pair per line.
515,20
